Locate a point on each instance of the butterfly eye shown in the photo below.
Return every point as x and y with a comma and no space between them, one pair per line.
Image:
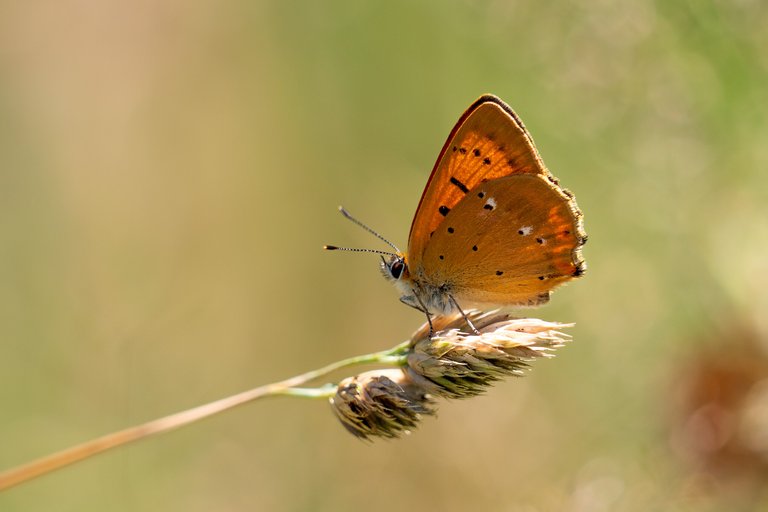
396,268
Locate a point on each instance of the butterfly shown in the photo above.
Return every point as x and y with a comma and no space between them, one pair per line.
493,227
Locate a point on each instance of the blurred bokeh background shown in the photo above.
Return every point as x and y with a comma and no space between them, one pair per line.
169,172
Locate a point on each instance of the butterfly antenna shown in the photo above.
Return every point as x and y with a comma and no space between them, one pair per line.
346,214
352,249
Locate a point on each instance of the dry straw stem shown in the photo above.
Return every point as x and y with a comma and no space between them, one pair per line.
381,403
93,447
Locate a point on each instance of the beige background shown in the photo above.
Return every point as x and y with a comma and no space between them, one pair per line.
170,170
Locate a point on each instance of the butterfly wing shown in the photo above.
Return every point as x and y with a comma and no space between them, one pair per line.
509,241
493,225
489,141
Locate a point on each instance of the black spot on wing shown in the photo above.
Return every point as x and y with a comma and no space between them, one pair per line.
443,210
459,185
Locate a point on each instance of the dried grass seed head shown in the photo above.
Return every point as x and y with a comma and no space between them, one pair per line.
381,403
460,365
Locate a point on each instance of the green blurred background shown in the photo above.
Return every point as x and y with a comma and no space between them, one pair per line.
169,172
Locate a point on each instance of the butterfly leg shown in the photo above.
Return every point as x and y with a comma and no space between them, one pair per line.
466,318
424,310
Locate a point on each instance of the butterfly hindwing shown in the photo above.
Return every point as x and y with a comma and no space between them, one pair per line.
508,241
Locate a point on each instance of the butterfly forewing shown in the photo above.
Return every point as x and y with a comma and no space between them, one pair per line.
487,143
510,241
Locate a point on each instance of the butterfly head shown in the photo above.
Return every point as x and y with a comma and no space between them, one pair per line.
396,271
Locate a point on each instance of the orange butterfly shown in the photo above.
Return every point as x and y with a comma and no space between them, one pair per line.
493,227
